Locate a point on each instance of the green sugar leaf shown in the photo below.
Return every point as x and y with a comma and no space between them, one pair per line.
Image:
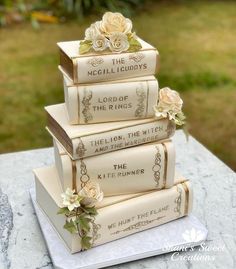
180,119
134,45
86,242
63,210
92,211
181,116
84,223
85,46
70,226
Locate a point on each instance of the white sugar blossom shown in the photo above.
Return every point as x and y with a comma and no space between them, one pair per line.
100,43
70,199
118,42
91,194
159,112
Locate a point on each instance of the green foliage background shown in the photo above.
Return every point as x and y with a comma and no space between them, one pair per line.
196,41
65,9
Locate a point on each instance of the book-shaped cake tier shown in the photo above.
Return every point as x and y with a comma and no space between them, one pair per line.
111,101
117,216
136,169
93,139
104,66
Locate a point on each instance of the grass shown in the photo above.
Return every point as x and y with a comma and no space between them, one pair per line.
196,41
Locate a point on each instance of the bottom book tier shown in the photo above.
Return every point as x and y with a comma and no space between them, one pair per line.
118,216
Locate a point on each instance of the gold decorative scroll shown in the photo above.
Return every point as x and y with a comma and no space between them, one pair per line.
95,228
157,167
86,103
178,200
84,178
83,169
95,61
141,102
136,57
80,150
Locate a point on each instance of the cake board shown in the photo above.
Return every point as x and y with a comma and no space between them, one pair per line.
152,242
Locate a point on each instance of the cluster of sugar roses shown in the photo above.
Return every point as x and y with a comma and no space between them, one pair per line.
113,32
80,210
170,106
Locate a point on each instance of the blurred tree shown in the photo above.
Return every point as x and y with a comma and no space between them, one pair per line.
84,7
52,11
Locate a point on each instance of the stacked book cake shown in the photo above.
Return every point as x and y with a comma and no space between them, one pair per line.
114,172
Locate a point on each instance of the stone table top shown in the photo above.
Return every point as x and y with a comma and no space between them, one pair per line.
22,244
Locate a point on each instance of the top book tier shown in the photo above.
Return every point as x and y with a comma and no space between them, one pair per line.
106,66
109,51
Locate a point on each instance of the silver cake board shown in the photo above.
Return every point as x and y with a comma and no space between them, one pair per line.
159,240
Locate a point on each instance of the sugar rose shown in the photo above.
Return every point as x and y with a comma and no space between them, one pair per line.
92,31
91,194
169,100
100,43
115,22
118,42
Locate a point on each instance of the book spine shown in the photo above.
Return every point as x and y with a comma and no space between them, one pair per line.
128,136
94,103
141,213
133,170
124,218
104,67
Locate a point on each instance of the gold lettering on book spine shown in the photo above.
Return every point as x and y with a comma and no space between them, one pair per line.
86,102
140,92
137,225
